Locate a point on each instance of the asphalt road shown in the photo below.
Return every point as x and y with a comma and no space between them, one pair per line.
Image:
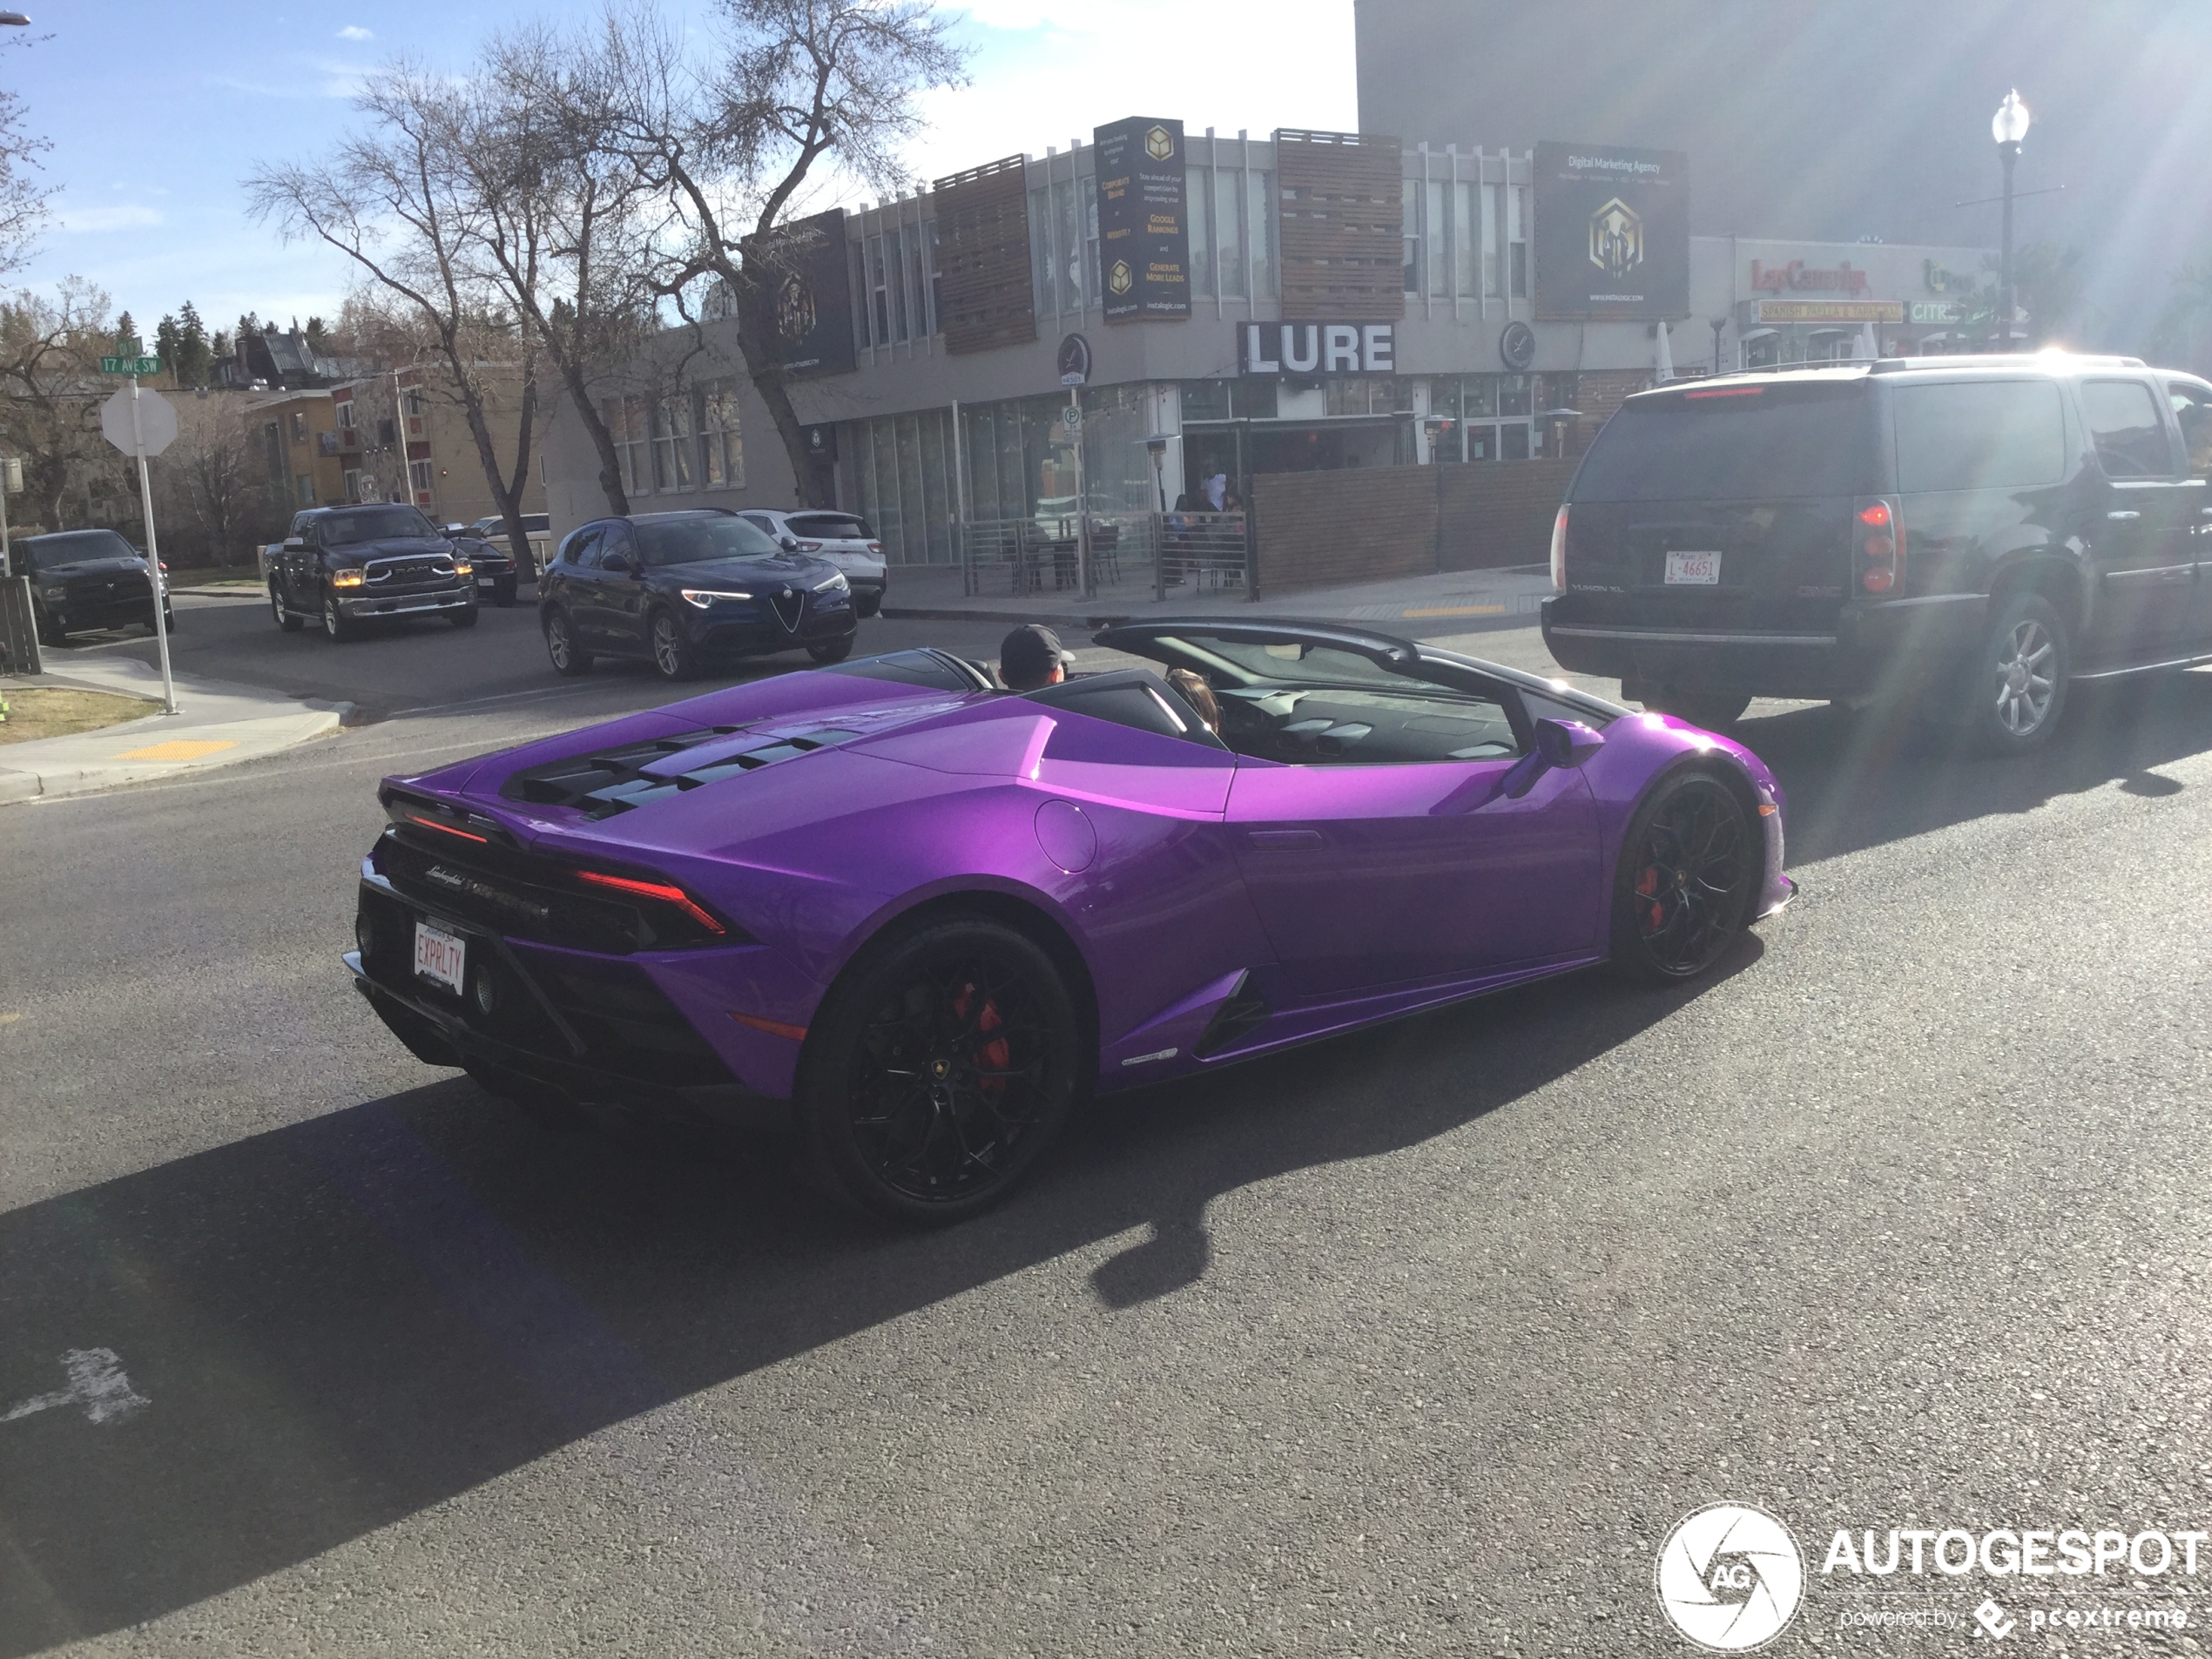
1415,1342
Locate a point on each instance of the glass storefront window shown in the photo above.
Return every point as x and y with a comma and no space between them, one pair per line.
1516,395
1409,219
1260,234
1481,394
1493,198
1518,237
1463,249
1197,187
1205,399
1435,239
1230,238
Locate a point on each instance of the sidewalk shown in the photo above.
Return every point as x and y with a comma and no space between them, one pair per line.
216,724
1483,598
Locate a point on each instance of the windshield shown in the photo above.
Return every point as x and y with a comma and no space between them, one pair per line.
51,552
1287,662
1732,443
831,527
695,540
376,524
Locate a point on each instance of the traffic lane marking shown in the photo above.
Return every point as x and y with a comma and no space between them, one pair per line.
180,748
96,1382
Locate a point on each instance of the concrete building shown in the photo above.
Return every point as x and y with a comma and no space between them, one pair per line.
404,435
296,436
1806,118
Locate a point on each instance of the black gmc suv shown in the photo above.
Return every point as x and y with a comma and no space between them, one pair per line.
345,566
1969,534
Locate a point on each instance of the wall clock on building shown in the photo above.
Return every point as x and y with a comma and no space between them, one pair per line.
1517,345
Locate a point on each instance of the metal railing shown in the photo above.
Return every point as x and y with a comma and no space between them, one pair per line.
1203,550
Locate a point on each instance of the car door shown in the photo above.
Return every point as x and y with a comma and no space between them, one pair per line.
2192,405
1369,876
2142,551
619,593
574,581
300,552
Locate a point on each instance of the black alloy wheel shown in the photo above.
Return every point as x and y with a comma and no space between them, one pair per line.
1688,867
836,651
673,653
2016,689
939,1071
1714,711
560,645
464,618
334,625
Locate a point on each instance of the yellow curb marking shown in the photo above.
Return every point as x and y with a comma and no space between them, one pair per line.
1458,610
10,1019
179,749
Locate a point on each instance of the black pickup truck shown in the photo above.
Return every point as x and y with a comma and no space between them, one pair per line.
83,579
347,566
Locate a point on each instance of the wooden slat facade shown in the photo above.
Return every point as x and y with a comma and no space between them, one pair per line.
983,257
1341,206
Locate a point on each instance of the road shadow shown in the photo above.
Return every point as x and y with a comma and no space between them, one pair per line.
1863,779
339,1324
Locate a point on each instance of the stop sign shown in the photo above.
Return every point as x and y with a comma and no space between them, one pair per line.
157,422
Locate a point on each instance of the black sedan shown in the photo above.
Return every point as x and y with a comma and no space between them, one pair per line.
687,589
82,579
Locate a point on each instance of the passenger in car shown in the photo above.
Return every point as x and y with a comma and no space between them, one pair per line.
1198,695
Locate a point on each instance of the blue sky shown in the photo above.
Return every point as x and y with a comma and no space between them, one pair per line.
157,111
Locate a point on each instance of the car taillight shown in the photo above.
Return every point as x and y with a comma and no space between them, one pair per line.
810,547
662,894
1880,537
1558,550
875,547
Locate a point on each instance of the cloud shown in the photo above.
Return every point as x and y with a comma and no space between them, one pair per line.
355,31
123,216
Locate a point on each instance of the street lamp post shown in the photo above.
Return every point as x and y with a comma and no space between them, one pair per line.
2008,127
1719,323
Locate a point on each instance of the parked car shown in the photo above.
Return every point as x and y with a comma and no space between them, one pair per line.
536,527
1972,534
494,563
346,566
686,589
919,918
842,538
86,579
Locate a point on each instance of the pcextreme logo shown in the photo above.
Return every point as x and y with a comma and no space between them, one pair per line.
1730,1577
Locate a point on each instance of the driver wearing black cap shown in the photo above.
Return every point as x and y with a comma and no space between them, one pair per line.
1031,659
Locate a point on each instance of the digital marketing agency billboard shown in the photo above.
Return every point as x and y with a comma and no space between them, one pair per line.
1612,233
1143,231
814,295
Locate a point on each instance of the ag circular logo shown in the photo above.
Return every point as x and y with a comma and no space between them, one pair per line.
1730,1577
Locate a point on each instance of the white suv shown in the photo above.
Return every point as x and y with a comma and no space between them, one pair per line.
842,538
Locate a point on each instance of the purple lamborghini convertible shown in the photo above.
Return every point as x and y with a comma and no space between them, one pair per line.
918,918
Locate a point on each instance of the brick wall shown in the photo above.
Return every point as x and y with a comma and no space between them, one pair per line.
1498,515
1361,524
1370,523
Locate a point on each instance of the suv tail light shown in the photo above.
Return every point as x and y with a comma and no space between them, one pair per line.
1879,534
1558,550
810,547
876,548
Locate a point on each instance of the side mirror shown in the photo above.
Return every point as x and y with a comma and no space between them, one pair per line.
1560,745
1566,743
789,544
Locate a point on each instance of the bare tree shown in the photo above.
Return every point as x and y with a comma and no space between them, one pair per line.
209,481
23,195
51,392
563,236
797,87
397,200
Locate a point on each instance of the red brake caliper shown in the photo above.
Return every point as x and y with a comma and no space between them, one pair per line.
1647,885
993,1054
